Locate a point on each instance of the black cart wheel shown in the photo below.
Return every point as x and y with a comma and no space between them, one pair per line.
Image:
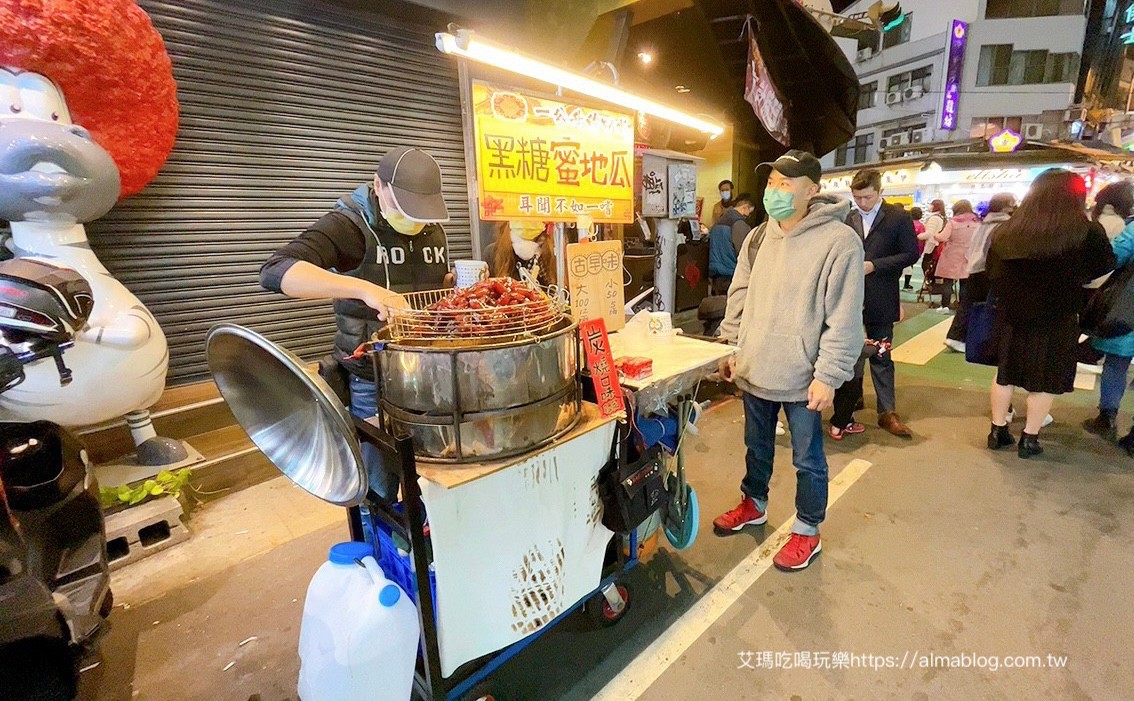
600,611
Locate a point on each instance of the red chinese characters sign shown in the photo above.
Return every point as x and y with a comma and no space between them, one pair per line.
546,160
604,374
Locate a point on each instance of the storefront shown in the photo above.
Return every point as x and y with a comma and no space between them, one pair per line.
977,177
277,122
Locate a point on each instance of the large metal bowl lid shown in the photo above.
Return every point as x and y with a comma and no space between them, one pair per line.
289,413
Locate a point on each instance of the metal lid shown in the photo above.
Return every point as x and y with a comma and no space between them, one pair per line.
289,413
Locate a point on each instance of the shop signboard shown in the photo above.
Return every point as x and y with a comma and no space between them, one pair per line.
958,39
761,94
600,361
594,275
545,159
655,187
682,189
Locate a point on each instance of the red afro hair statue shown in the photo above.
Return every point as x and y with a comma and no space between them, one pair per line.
112,68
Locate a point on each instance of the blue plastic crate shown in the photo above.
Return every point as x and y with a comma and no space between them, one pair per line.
397,566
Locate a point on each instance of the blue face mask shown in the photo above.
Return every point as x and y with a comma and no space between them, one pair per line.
778,204
726,195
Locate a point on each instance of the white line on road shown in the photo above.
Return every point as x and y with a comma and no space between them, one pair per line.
649,665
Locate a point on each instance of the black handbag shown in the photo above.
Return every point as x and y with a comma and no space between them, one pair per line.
1110,311
631,487
980,339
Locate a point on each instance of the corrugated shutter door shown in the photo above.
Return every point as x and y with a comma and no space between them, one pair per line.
284,107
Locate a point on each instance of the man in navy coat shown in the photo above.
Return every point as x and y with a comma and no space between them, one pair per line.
891,246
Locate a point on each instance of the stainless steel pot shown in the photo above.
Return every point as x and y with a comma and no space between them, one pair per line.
467,403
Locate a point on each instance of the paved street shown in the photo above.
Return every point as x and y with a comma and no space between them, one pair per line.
939,547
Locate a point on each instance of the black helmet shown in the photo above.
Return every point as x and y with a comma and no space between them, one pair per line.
42,299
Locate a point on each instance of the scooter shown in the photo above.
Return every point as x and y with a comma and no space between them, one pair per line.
54,572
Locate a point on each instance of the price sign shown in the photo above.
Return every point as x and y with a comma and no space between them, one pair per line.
600,360
594,274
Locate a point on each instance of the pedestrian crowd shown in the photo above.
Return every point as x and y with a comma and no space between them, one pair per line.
1039,289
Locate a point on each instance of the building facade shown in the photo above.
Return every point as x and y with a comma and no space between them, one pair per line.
961,70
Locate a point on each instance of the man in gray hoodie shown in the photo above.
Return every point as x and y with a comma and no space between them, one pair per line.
795,314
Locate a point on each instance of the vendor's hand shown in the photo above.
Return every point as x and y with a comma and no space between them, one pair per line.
820,396
380,300
727,368
869,267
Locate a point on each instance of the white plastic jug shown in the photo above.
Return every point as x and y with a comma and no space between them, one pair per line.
359,637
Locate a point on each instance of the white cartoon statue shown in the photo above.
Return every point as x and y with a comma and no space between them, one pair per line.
88,114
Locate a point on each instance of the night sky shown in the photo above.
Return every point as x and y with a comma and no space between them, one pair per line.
838,5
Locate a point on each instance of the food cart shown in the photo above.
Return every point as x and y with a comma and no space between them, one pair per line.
492,439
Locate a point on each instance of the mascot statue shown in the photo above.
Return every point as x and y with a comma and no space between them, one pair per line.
88,115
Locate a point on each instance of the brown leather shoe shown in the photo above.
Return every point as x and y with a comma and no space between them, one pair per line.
893,424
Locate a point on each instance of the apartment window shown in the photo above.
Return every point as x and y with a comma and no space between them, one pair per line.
1000,64
919,77
899,34
857,150
988,127
1004,9
862,146
868,96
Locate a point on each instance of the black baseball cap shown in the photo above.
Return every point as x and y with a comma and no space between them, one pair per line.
796,164
415,179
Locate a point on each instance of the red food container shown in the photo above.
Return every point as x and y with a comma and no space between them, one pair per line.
634,368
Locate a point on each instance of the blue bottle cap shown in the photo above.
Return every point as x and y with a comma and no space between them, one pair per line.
347,553
389,595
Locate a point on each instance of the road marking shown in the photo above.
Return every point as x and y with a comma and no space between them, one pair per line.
649,665
925,346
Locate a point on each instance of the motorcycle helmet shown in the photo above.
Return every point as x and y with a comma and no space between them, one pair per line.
41,299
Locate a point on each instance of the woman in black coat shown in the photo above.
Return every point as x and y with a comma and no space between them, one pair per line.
1039,261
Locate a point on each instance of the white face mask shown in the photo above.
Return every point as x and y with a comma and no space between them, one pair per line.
524,249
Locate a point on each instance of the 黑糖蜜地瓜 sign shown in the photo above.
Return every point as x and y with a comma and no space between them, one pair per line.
543,159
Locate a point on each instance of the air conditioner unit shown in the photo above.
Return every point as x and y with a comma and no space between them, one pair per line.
898,140
1033,131
884,143
865,54
913,92
918,136
893,97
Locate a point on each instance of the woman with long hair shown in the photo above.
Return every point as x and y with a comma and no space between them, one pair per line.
521,244
1039,261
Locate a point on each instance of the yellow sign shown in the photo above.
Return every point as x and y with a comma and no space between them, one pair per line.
547,160
594,273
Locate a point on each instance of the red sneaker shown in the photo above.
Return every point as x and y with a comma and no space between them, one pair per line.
745,514
852,430
798,552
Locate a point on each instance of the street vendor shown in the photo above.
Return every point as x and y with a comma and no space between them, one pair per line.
521,245
381,240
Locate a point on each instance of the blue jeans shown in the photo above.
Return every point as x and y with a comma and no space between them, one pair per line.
1113,383
364,404
806,451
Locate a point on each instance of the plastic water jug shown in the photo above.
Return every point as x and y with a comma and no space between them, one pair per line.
359,637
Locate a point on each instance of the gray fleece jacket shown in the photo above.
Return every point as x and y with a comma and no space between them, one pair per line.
795,312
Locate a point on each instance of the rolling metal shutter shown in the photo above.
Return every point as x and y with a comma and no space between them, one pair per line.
285,106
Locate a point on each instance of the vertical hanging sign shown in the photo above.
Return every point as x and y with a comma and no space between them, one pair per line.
600,361
958,38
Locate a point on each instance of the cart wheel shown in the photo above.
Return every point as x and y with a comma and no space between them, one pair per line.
601,612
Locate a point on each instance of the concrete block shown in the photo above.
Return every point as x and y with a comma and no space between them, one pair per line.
142,530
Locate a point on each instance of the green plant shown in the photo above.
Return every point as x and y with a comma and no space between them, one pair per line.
164,482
